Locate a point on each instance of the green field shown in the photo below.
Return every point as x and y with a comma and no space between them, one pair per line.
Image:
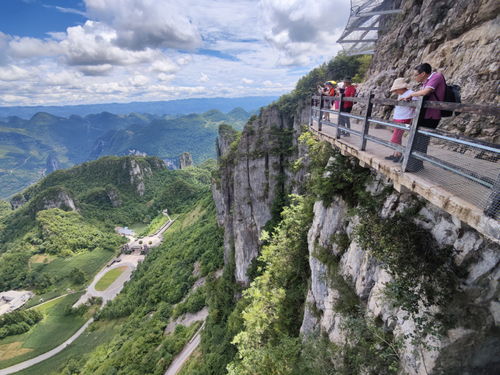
88,262
55,328
97,334
109,278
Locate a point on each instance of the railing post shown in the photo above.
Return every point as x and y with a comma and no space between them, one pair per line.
341,103
412,134
366,125
320,126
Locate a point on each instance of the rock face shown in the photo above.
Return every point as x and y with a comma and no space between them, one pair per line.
459,39
185,160
139,171
465,349
52,163
56,198
254,175
456,37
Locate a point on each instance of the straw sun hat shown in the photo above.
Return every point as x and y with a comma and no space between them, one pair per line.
399,83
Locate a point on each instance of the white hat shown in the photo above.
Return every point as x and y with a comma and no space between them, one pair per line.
399,83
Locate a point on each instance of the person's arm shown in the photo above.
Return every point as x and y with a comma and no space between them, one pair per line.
424,92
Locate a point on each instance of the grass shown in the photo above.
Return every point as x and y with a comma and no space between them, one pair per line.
97,334
42,258
109,278
55,328
59,268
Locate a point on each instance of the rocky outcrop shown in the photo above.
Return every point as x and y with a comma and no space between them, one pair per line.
52,163
254,177
467,348
139,171
185,160
54,198
459,39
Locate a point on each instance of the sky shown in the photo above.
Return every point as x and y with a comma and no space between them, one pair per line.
62,52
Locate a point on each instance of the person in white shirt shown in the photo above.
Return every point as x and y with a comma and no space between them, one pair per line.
402,115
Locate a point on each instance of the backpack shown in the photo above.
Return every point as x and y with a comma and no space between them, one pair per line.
452,95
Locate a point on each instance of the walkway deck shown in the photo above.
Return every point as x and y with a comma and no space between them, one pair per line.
455,194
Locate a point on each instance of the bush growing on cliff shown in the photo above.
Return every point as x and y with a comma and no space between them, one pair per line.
275,299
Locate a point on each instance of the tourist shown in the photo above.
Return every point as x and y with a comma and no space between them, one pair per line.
329,91
349,91
402,115
433,89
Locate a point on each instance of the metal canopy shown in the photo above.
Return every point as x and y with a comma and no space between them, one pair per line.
361,32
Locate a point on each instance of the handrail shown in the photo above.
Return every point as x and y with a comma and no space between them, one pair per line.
318,101
481,109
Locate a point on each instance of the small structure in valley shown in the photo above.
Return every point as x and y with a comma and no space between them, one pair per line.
13,299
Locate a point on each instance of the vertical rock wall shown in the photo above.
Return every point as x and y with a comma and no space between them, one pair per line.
472,346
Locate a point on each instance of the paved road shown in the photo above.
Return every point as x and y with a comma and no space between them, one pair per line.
183,356
47,355
131,262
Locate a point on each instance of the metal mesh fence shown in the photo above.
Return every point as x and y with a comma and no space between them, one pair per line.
464,169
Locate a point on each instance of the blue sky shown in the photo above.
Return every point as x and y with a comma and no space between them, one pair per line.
56,52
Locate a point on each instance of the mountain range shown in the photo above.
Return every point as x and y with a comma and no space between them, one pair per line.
30,149
176,107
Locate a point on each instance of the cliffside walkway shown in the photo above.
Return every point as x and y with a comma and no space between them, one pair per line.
460,175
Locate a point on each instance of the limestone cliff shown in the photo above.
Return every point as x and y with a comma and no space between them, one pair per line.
263,164
255,176
469,347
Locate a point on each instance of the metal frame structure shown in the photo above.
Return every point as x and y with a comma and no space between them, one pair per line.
361,31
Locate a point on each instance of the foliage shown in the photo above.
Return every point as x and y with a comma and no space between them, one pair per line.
369,350
18,322
194,302
333,174
276,297
51,331
4,209
64,233
424,273
146,303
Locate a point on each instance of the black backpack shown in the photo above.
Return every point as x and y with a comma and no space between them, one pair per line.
452,95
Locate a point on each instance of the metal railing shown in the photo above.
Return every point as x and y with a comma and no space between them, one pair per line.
473,159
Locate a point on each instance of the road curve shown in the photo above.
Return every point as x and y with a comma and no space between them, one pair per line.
47,355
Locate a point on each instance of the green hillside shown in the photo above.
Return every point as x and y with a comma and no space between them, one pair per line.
71,215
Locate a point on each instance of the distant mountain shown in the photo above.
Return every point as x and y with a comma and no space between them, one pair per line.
171,107
30,149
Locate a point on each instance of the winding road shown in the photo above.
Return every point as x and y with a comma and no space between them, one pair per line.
131,262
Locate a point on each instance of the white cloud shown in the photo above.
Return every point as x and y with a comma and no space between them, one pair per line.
143,50
32,47
138,80
203,77
164,65
303,30
13,73
140,24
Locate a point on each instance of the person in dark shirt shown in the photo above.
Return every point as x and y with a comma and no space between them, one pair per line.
433,88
